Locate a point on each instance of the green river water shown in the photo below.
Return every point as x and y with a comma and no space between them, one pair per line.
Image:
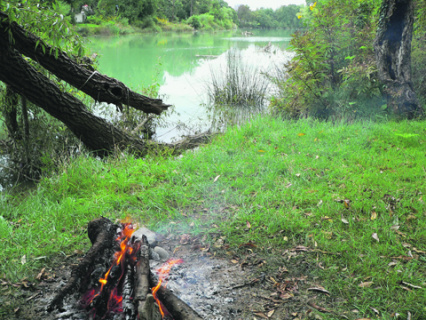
182,65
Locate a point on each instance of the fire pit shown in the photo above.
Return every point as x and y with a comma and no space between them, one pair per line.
114,280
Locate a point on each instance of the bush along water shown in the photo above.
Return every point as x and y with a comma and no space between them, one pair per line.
333,73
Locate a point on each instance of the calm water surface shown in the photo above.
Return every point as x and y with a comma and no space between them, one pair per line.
182,65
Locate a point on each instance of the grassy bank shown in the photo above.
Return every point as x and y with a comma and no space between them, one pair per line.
354,193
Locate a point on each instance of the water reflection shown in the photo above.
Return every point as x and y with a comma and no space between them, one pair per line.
182,65
189,91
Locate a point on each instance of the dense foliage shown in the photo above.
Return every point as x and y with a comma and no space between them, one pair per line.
334,73
203,14
283,17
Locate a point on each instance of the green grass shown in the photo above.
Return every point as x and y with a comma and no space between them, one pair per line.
283,178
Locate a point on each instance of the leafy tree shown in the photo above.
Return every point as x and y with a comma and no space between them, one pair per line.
244,15
264,18
135,10
286,17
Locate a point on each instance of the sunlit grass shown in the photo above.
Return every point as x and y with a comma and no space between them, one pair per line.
286,180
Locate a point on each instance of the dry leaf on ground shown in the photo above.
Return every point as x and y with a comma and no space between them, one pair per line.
365,284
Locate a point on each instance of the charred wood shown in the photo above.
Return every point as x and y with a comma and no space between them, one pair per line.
129,310
142,277
101,233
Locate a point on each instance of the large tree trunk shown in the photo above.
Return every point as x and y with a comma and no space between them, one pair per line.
95,132
98,86
392,47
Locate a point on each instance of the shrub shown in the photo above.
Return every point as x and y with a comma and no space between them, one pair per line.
113,28
194,21
94,20
207,21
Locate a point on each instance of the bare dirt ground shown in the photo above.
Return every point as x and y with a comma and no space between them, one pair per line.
216,283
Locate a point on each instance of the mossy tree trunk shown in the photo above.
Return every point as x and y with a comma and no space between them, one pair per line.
392,47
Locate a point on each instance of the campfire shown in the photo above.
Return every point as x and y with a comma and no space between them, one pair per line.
114,280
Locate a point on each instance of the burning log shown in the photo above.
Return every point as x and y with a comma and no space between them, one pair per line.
142,288
124,290
178,308
129,309
101,233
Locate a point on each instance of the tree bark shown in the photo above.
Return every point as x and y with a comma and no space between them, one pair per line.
392,47
10,113
96,133
100,87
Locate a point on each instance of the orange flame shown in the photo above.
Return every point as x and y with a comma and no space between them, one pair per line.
163,272
124,237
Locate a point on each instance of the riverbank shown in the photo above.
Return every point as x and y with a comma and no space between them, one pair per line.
340,206
116,27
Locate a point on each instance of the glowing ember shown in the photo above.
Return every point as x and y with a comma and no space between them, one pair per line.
163,273
114,303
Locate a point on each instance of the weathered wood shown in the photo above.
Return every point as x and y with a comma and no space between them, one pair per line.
129,309
392,47
100,87
101,233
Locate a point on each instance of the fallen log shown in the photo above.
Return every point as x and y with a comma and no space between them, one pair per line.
100,87
95,132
